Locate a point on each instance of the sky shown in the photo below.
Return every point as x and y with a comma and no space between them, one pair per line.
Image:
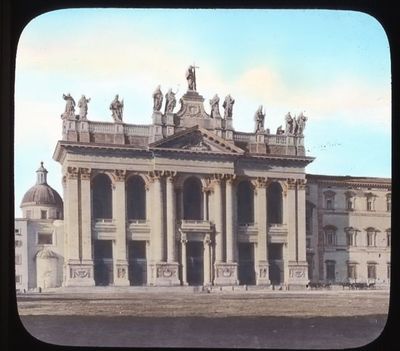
334,66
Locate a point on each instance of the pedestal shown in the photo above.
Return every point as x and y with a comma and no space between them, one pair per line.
166,274
298,275
121,276
79,274
262,275
226,274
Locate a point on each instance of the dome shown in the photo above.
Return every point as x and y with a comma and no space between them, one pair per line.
42,193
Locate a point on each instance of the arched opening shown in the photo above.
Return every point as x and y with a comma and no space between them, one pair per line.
192,199
245,202
102,197
275,203
136,198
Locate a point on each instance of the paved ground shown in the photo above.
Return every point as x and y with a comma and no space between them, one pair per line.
284,319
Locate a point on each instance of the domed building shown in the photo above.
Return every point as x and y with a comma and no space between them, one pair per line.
42,201
38,233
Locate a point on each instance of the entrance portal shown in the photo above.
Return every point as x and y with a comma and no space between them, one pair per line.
247,274
275,254
195,263
137,263
103,262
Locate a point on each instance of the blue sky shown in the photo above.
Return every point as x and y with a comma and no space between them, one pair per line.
332,65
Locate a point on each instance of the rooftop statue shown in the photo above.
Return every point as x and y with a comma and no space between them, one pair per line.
83,107
214,102
170,101
191,77
228,106
289,124
259,118
157,99
279,131
117,108
301,123
69,106
294,126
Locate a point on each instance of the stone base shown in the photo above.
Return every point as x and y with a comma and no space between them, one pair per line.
226,274
165,274
121,276
262,274
79,274
298,275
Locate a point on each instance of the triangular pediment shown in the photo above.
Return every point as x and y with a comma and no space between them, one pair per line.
197,139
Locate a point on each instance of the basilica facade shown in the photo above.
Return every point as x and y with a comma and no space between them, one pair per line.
185,200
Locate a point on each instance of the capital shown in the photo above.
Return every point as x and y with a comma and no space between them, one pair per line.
291,183
155,175
230,178
85,173
72,173
170,175
119,175
260,183
302,183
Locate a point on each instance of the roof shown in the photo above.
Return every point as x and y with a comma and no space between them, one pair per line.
42,194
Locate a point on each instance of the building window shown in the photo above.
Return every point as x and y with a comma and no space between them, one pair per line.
389,238
28,213
18,279
330,236
350,200
329,199
308,243
351,236
352,271
371,267
330,270
18,243
18,259
371,233
43,214
389,202
370,201
45,239
17,232
102,197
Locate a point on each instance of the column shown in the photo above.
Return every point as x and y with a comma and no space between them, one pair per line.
171,218
184,259
119,213
218,219
149,276
230,230
262,273
207,259
86,220
157,237
205,216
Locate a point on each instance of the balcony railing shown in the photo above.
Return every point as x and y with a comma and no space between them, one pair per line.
277,233
195,225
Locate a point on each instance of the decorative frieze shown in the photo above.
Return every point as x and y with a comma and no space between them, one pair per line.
80,272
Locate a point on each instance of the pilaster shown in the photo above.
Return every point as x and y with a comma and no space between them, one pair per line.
207,260
184,258
218,218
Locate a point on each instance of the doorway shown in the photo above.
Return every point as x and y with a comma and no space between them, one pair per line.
247,274
137,262
103,262
275,255
195,263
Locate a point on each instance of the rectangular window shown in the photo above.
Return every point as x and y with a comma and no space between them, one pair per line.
388,239
17,232
45,239
369,205
18,279
28,213
330,237
18,243
372,271
349,204
370,239
18,259
352,271
350,239
329,204
43,214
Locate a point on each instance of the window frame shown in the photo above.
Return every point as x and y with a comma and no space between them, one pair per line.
47,234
